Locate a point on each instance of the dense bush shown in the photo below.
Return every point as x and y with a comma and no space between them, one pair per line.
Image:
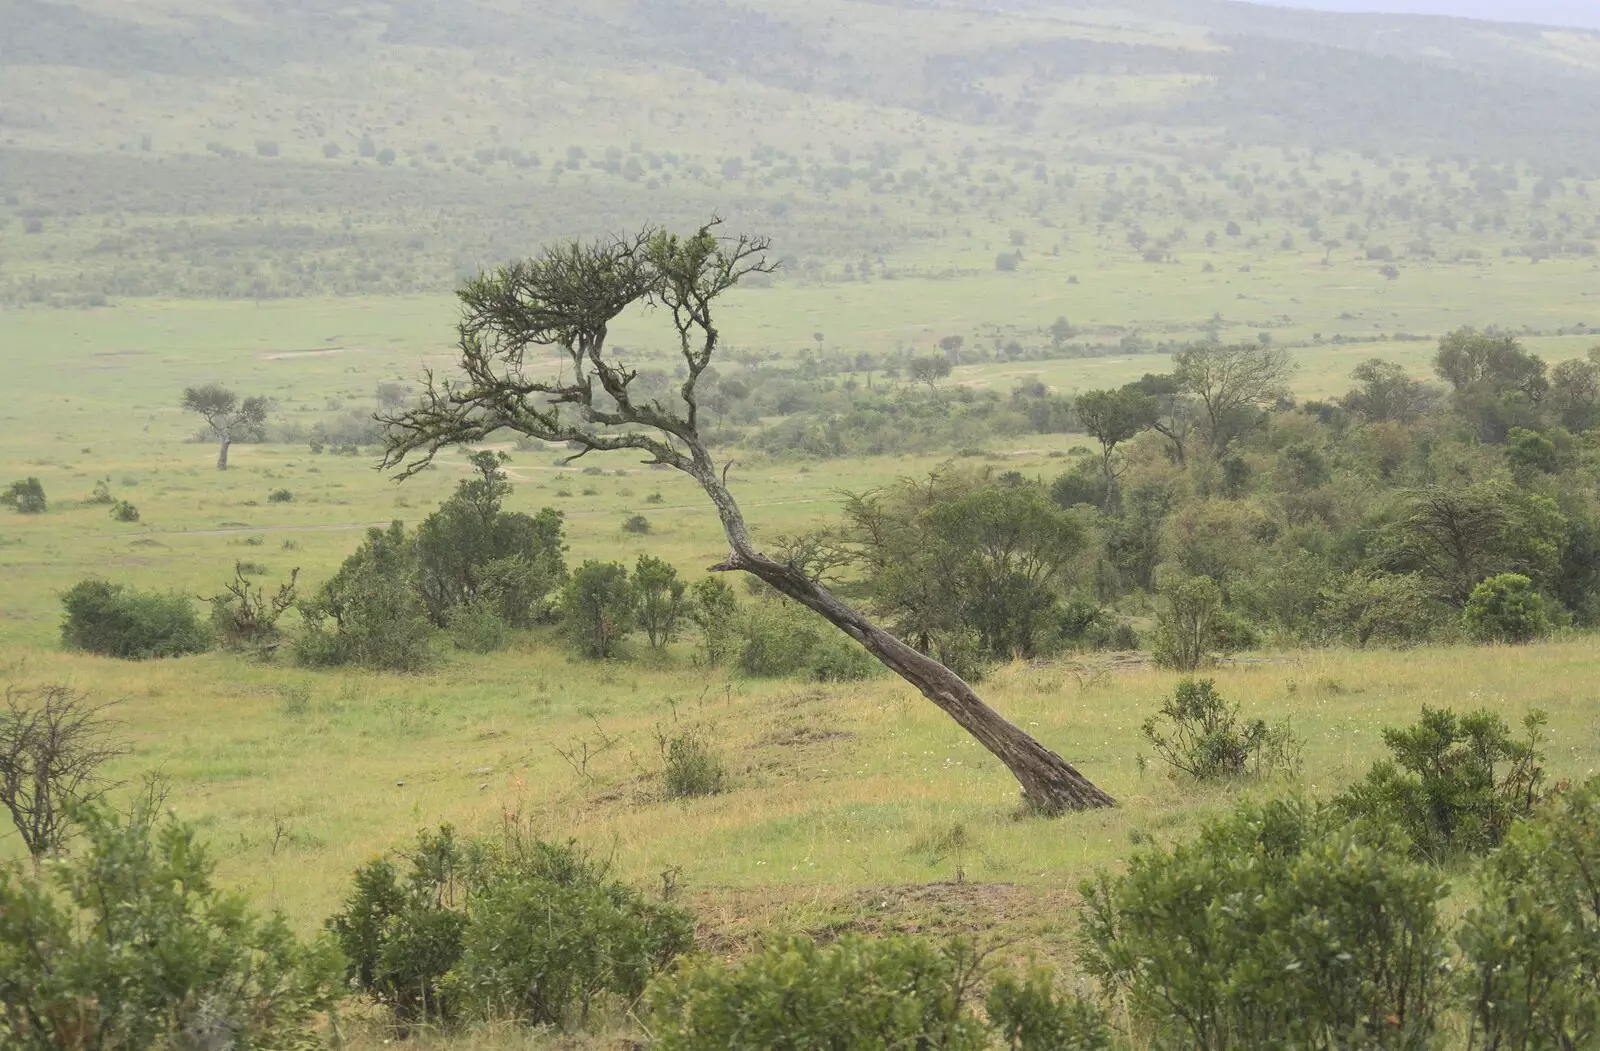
1456,783
514,928
245,616
1200,734
477,628
898,992
130,945
1506,608
369,612
25,497
660,598
598,607
1277,928
114,620
122,511
1532,944
714,611
691,767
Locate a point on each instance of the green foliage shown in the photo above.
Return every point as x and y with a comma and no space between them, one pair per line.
778,637
1199,734
476,627
796,995
598,608
1363,608
838,658
1456,783
1532,944
280,496
691,767
714,611
122,511
1027,1015
660,596
245,617
511,928
114,620
25,497
1277,927
470,550
1188,623
636,524
1505,608
369,612
130,945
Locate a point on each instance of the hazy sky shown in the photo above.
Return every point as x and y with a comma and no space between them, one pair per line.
1546,12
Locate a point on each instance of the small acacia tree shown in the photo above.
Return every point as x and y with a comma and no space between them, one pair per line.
228,417
53,743
564,301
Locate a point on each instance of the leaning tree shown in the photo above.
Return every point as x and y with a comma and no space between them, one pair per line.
534,361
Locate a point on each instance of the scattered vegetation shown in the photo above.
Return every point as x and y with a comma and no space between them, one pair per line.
1199,734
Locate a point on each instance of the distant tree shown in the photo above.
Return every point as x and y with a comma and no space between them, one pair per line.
1457,537
951,345
567,299
53,744
1061,330
1176,412
25,497
1386,394
1112,417
929,370
1469,359
229,418
392,395
1232,382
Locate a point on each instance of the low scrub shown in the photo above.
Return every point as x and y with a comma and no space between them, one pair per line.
114,620
1199,734
513,929
1455,783
691,766
129,944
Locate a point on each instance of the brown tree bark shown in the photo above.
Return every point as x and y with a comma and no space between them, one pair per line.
1050,784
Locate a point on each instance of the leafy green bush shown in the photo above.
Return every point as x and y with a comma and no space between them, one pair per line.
1204,737
1532,944
1456,783
477,628
597,607
838,658
1187,619
369,612
1506,608
660,599
796,994
511,928
714,611
636,524
1277,927
777,638
25,497
280,496
691,767
116,621
1386,609
122,511
129,945
1028,1016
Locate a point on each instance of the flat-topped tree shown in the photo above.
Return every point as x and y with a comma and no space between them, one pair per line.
228,417
564,300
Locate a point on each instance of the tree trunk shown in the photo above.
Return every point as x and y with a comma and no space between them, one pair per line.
1049,783
222,455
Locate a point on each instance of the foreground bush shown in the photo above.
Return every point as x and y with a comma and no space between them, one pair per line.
1533,943
114,620
516,929
901,993
1277,928
130,946
1455,784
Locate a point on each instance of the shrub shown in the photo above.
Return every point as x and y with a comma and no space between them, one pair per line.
1204,737
660,596
838,658
52,746
691,767
1388,609
1275,928
636,524
25,497
1186,623
130,945
1456,783
245,616
102,492
369,612
1507,609
280,496
477,628
122,511
115,621
714,610
597,607
1532,944
512,928
854,993
1028,1016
